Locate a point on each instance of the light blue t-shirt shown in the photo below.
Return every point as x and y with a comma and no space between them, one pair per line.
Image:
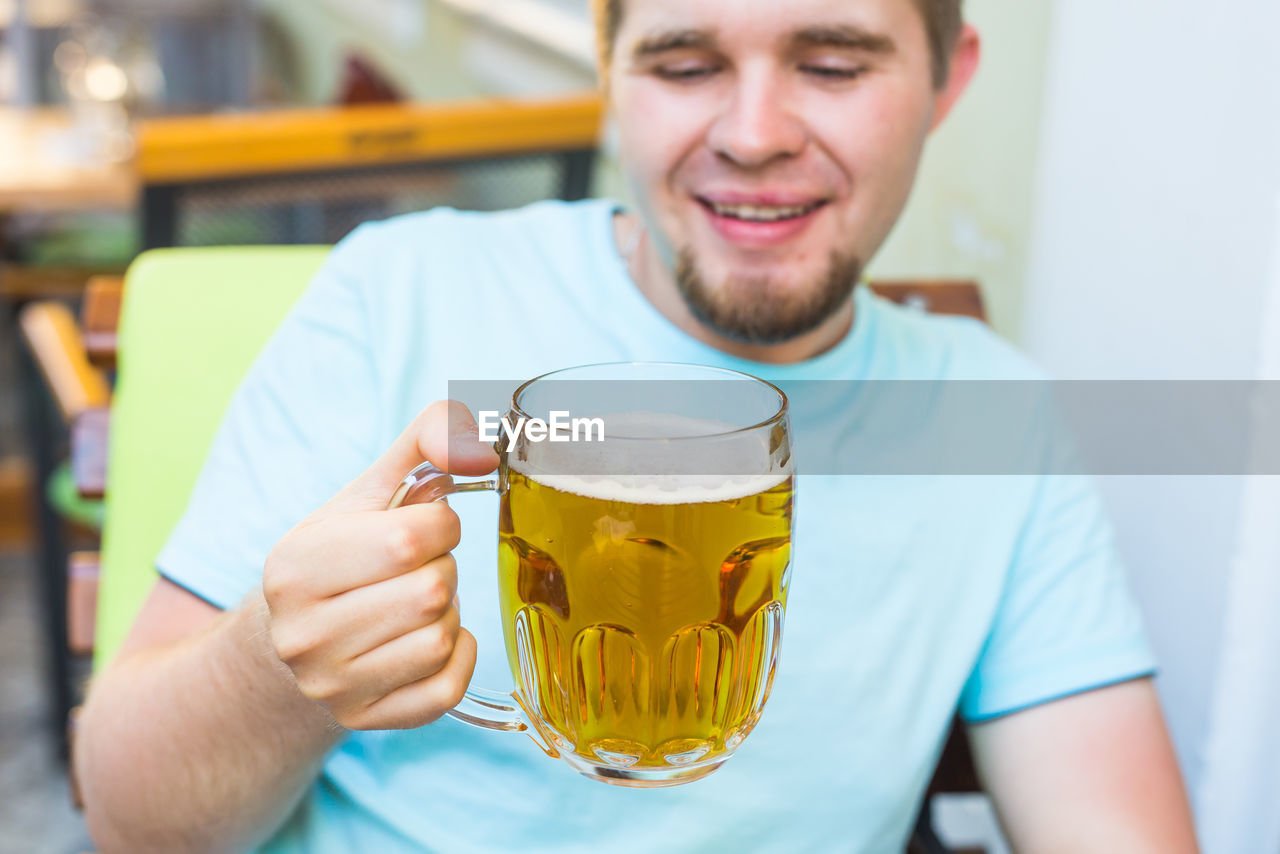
909,597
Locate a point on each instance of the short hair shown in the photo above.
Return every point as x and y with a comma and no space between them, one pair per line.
943,20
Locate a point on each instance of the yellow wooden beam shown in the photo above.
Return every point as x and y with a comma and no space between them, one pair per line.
51,333
176,150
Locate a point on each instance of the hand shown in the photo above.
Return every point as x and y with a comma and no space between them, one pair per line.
363,600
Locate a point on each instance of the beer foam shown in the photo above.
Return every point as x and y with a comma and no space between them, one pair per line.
619,469
658,488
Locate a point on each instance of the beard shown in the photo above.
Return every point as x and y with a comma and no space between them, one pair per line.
765,309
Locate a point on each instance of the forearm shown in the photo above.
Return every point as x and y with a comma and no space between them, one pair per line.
203,746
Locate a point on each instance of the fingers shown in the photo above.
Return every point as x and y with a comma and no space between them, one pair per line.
344,552
379,613
363,600
411,657
422,702
450,439
349,688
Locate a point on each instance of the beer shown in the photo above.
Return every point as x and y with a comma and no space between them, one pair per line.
643,617
643,568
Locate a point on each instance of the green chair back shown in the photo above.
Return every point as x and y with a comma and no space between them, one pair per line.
191,324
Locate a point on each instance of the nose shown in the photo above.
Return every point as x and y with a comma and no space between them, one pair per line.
757,124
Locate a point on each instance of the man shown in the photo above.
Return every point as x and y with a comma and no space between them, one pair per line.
284,684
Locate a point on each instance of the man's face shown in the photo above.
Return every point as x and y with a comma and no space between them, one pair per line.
770,146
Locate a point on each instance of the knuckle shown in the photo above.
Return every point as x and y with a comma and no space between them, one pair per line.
436,596
445,525
437,643
317,687
404,545
454,690
357,719
447,566
277,581
433,650
430,648
293,644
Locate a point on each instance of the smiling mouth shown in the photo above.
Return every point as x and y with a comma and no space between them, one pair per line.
761,213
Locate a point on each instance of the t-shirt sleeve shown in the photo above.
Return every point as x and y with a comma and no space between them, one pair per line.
303,422
1066,622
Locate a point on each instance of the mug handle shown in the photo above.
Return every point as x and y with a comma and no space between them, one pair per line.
485,709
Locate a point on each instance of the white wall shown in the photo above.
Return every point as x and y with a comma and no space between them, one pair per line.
970,214
411,42
1240,790
1156,225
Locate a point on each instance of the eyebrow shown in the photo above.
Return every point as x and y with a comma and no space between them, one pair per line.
667,40
844,36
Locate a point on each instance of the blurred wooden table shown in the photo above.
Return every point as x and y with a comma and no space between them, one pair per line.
35,177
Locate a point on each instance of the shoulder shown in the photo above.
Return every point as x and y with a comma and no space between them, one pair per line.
425,284
916,345
448,230
549,246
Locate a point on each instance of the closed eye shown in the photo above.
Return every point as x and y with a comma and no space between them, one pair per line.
828,72
685,73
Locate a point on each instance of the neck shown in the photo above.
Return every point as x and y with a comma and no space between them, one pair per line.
656,282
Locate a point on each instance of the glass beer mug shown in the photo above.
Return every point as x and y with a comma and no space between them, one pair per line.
643,564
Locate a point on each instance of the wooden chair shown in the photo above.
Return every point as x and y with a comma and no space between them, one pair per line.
62,386
96,351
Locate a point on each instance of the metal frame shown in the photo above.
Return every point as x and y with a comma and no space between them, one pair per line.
161,216
44,431
924,839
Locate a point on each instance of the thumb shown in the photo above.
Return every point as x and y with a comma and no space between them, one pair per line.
444,434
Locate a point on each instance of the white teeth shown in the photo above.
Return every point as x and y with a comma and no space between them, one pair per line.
758,213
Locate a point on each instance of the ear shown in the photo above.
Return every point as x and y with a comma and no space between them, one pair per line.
964,64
